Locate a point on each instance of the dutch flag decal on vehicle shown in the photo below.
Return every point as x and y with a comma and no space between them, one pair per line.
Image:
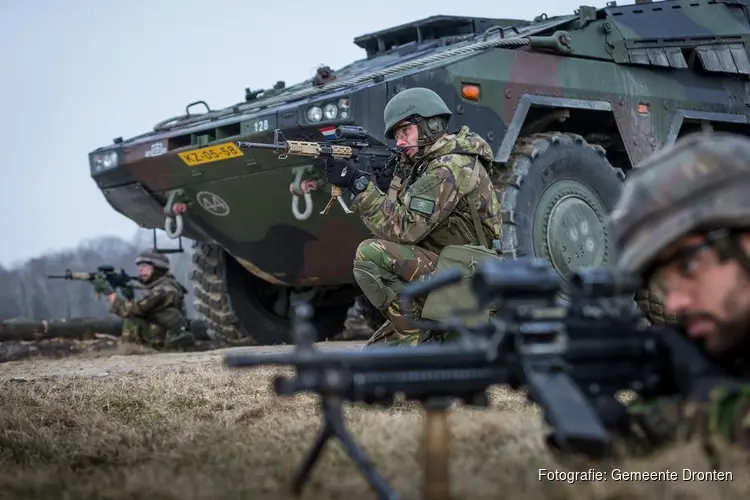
329,133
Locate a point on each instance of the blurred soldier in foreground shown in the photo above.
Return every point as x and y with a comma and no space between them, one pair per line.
157,318
683,223
441,195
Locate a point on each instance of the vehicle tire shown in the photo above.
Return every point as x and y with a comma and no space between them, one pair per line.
363,319
373,317
556,191
235,304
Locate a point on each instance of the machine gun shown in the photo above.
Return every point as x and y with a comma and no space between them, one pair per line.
117,280
350,143
571,356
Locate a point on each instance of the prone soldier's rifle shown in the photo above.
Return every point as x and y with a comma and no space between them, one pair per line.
351,143
120,280
572,357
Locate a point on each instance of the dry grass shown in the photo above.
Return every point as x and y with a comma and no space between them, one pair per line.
204,432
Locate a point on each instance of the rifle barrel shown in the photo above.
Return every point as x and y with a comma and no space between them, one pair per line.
373,359
281,146
77,276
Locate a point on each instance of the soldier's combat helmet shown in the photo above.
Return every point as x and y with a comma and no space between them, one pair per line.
699,184
156,259
415,102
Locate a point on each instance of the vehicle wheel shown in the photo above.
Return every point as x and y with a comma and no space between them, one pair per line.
362,320
373,318
238,307
556,191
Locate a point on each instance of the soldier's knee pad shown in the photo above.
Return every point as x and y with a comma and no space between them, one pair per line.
379,286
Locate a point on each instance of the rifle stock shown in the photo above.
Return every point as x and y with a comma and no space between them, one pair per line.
572,358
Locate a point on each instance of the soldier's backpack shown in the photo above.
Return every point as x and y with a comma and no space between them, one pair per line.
443,303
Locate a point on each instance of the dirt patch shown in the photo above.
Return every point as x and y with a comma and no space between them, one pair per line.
131,359
181,426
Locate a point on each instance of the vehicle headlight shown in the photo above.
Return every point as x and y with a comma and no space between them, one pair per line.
315,114
100,162
330,111
344,108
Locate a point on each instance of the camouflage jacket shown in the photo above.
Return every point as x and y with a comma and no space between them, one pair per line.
161,301
721,412
432,211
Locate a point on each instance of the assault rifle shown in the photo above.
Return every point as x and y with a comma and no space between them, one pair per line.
351,143
571,356
117,280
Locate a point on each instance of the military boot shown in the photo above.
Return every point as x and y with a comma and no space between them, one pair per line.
382,334
179,338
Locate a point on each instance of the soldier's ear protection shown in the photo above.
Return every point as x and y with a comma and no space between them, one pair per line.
434,125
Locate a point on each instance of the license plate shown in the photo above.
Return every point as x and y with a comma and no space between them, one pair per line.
210,154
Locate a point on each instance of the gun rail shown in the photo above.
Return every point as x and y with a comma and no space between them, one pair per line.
69,275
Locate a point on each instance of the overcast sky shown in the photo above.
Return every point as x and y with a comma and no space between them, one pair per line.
75,74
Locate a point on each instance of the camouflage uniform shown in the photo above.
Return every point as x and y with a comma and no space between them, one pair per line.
698,186
158,316
412,221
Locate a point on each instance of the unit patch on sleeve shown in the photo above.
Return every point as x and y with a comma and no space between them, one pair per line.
422,205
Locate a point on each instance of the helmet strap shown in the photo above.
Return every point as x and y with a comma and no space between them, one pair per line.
739,253
728,246
156,274
429,130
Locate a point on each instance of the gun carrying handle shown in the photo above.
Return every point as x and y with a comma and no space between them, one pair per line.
436,452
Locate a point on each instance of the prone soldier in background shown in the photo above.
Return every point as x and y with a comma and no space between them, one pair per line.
157,317
683,224
446,198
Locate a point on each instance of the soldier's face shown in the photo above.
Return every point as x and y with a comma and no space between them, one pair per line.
710,297
145,271
407,136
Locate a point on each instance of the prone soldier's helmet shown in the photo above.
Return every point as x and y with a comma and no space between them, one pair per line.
156,259
423,107
700,184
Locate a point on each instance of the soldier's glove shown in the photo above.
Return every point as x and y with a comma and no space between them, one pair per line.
127,292
101,285
383,180
383,171
345,174
694,372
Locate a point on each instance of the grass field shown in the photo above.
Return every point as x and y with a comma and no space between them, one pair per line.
181,426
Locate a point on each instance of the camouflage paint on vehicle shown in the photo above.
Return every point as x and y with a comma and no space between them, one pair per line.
627,80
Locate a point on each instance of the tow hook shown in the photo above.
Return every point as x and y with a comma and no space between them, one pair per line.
305,188
173,210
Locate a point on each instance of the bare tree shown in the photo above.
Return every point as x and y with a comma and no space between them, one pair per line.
25,291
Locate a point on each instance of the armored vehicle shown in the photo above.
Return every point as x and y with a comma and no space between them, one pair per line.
570,105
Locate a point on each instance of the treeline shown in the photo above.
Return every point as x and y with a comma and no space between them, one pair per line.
25,291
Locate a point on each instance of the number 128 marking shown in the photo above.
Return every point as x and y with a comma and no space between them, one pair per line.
260,126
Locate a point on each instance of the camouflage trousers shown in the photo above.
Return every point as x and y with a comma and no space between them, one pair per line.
406,263
142,331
